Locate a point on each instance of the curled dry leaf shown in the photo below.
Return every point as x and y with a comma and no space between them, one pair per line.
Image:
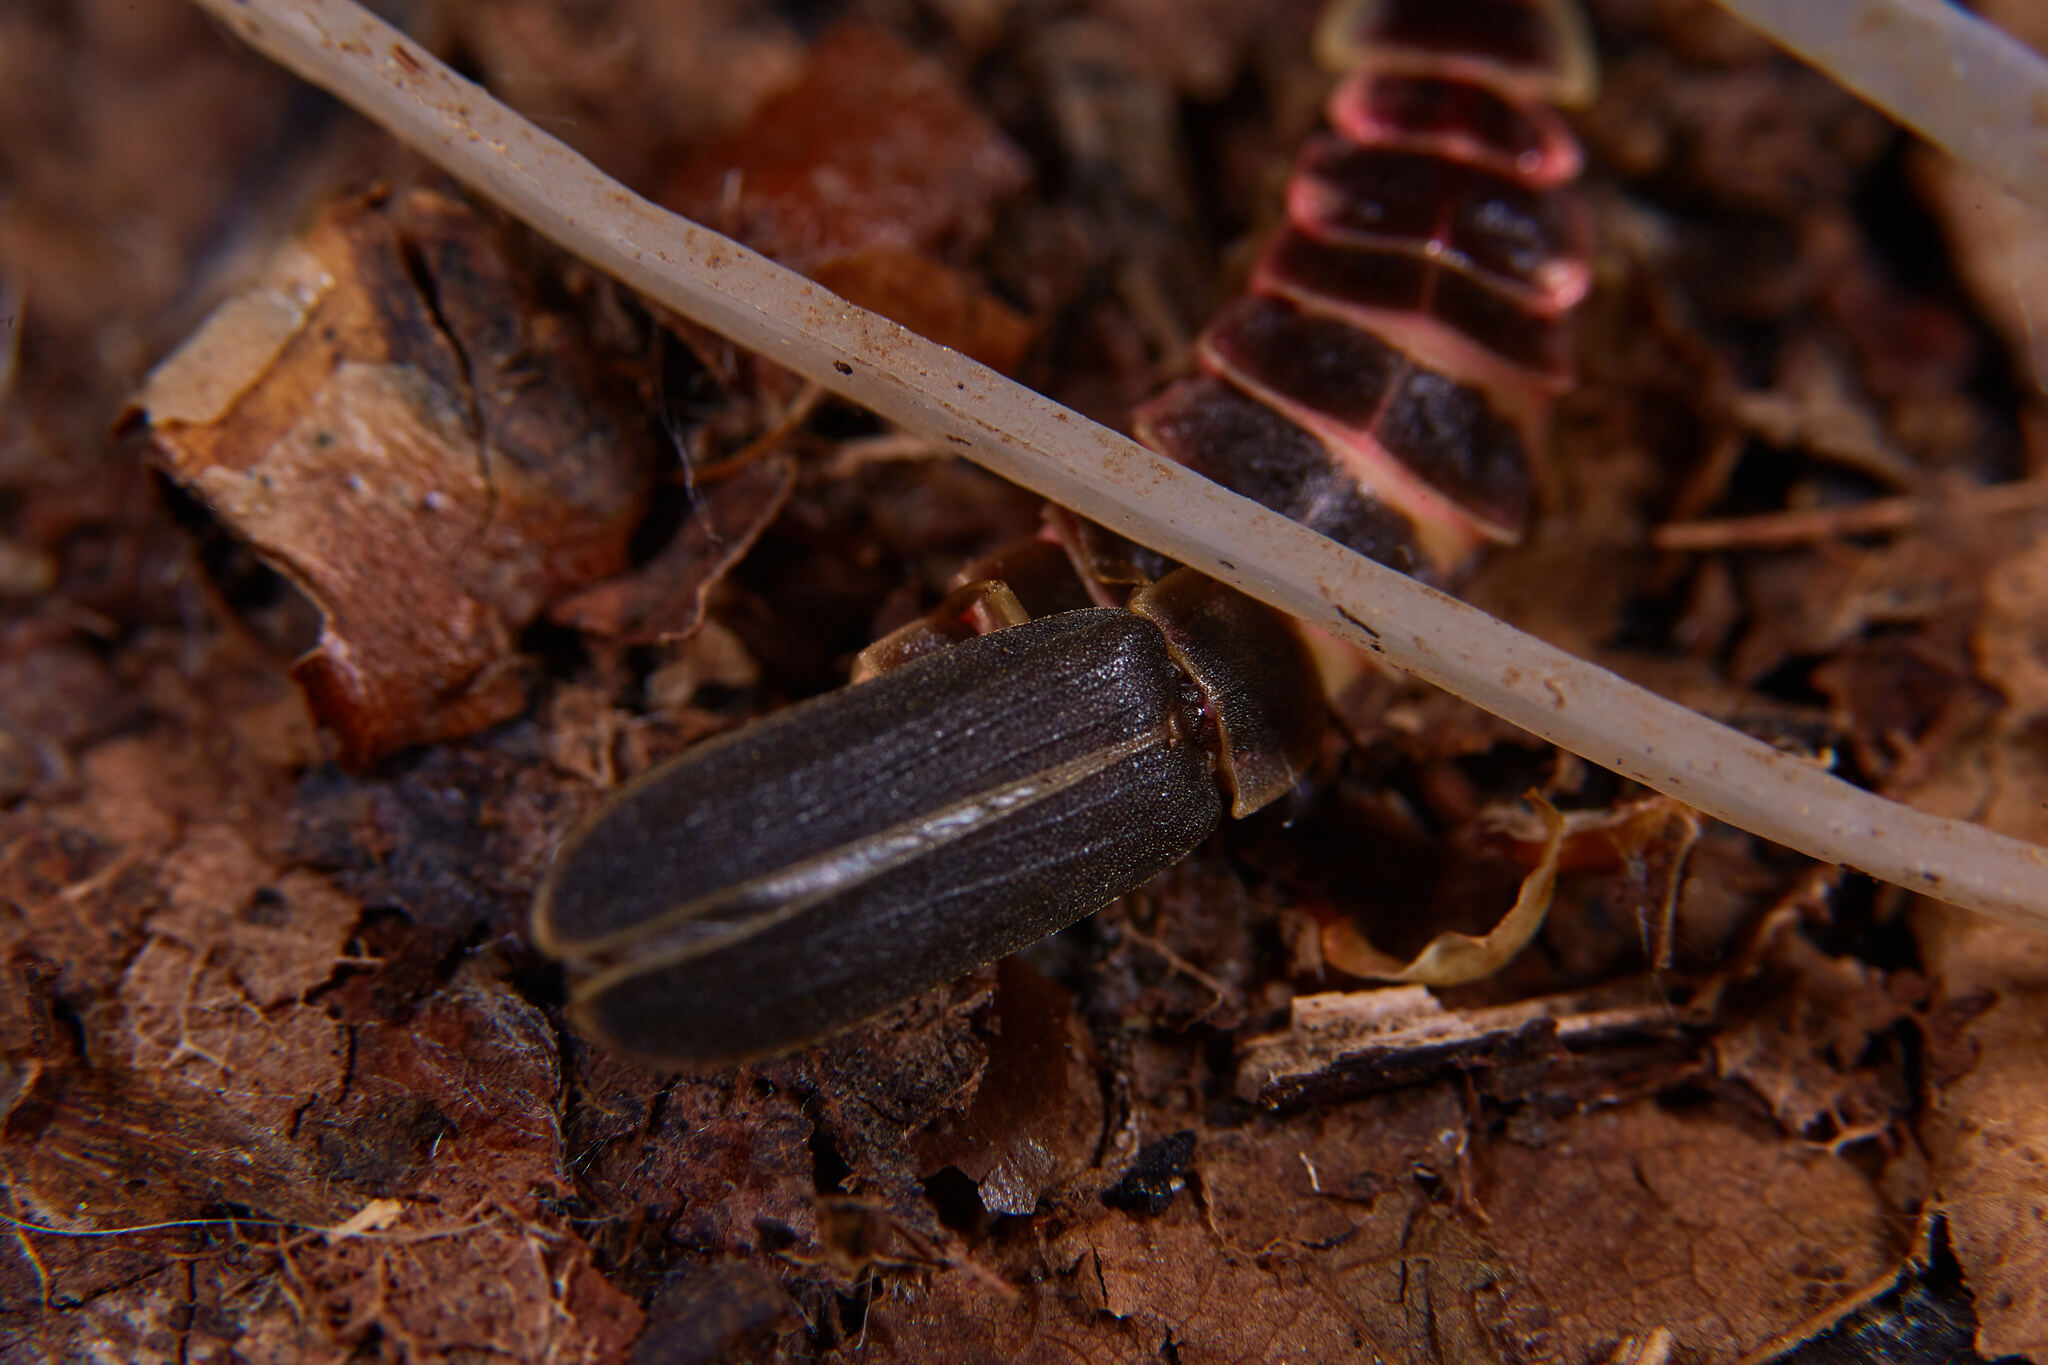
431,460
1452,959
1601,840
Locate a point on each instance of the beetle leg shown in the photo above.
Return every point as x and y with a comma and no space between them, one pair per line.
978,608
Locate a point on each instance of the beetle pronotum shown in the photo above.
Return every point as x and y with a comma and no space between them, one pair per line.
1037,444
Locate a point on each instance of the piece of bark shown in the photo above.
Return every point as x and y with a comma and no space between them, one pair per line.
429,456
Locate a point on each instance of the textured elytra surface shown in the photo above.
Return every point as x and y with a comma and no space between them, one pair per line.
185,1040
790,879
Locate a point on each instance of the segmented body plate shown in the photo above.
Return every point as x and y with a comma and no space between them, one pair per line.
1388,374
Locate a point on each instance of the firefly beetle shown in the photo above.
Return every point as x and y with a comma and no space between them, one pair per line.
781,882
1385,381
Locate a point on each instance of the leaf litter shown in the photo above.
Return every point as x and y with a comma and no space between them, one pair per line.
284,1010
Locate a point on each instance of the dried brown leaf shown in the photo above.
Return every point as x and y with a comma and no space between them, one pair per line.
1814,603
1288,1241
1986,1122
281,932
867,175
189,1025
1800,1044
934,299
1813,408
627,80
1036,1115
1988,1087
1693,1220
715,1163
875,145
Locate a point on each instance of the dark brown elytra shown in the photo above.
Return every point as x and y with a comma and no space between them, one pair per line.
791,878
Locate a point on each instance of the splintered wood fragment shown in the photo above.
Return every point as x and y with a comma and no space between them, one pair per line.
1346,1043
1058,454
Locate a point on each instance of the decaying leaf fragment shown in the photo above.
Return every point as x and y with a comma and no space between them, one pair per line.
663,600
1986,1125
1687,1217
1804,1032
1452,959
392,422
1037,1114
871,175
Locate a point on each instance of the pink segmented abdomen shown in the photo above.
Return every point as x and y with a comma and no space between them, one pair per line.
1387,377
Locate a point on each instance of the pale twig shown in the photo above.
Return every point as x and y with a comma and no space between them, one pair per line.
1772,530
1058,454
1973,91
